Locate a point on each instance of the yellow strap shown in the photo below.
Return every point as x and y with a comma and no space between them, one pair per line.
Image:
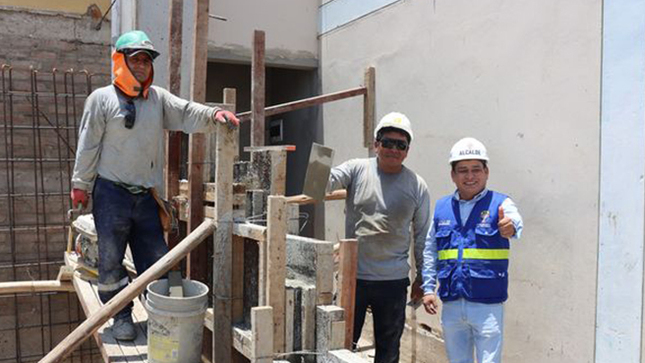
475,254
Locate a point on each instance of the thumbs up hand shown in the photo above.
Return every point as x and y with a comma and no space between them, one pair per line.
505,224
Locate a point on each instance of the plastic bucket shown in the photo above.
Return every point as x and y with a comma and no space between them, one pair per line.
175,325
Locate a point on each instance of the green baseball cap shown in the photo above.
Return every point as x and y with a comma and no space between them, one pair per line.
135,41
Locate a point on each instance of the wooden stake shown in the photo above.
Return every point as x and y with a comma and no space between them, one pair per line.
277,266
369,105
223,245
118,302
257,89
347,285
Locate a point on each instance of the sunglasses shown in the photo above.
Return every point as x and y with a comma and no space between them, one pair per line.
130,114
394,143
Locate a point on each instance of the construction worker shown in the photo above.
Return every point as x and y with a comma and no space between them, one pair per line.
468,249
120,157
384,200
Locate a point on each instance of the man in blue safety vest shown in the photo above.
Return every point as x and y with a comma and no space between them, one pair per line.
467,249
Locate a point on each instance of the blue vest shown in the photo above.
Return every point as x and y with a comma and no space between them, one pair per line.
473,259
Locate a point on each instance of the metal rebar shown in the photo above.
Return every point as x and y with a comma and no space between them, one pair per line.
8,115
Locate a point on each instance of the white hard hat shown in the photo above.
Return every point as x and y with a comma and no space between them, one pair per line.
396,120
468,148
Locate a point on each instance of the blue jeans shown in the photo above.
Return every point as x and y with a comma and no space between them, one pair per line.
387,300
121,218
469,326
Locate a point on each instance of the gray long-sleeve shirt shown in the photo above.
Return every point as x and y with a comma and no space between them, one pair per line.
380,209
133,156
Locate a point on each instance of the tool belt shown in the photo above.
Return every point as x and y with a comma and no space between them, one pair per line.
167,213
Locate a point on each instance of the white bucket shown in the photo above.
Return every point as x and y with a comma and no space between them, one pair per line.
175,325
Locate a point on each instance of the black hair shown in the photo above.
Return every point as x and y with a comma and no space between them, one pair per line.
454,163
379,134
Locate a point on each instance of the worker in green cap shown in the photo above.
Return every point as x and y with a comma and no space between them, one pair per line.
120,158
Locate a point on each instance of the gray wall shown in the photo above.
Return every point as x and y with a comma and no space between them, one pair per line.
524,78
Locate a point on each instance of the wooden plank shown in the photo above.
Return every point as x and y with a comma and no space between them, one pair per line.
173,138
262,334
230,98
257,89
277,266
308,319
20,287
223,245
369,106
198,260
347,285
86,296
243,341
96,320
278,173
289,319
250,230
237,276
306,102
305,199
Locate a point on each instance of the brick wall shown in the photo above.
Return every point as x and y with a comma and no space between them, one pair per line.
37,139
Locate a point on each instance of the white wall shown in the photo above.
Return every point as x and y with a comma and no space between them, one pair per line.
523,77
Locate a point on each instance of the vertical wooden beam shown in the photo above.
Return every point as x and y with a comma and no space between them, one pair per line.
223,245
230,98
261,334
369,102
277,266
173,138
257,89
278,172
347,285
198,261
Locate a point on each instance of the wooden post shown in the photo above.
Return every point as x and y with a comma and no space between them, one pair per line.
261,334
198,261
369,102
223,245
173,138
278,172
276,258
257,89
118,302
347,285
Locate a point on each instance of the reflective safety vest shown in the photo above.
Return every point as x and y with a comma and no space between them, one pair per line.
473,259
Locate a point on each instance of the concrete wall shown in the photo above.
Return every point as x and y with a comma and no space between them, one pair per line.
524,78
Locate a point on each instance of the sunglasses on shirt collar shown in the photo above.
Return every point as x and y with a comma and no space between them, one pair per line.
130,114
394,143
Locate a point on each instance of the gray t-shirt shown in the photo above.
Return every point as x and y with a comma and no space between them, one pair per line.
133,156
380,209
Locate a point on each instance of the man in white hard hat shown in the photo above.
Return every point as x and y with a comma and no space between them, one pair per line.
385,200
468,249
120,158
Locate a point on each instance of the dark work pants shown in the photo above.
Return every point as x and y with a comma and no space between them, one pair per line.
387,300
120,218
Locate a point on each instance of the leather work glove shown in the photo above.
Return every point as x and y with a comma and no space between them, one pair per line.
226,117
79,196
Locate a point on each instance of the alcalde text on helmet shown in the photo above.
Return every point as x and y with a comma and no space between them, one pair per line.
470,152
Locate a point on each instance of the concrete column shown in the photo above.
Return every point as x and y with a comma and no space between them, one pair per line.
619,311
